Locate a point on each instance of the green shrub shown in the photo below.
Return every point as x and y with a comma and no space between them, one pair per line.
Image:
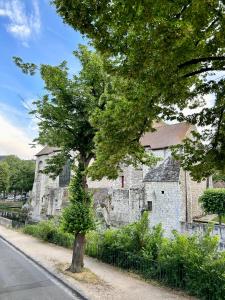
213,202
191,263
49,232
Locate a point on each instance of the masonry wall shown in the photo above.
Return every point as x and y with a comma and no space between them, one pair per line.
126,206
167,206
45,193
201,228
191,191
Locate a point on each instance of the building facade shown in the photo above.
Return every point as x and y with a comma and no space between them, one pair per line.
165,190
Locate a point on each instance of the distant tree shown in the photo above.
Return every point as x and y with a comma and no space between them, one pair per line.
165,50
4,178
213,202
21,174
14,164
26,174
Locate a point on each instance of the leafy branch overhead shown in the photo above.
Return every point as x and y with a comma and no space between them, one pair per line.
69,112
166,52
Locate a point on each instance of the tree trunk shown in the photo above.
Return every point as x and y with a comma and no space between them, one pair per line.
79,242
220,219
78,254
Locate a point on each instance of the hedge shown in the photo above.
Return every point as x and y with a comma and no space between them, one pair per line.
190,263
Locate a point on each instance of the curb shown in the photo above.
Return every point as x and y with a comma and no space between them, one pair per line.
55,275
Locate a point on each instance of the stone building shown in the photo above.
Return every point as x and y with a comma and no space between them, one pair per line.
166,190
49,195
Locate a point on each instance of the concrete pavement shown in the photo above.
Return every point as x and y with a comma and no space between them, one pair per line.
20,279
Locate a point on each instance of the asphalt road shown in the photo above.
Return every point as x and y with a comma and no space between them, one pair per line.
20,279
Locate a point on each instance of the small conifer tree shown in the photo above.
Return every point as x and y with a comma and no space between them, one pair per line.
78,218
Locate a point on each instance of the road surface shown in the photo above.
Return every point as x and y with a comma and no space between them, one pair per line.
21,279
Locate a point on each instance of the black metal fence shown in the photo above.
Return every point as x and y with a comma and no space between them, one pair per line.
193,280
146,267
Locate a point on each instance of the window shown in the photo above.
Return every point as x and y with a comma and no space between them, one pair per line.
149,203
122,181
162,192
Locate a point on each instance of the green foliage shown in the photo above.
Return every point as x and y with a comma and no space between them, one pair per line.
78,216
69,116
50,232
4,177
21,174
191,263
213,201
219,177
134,238
158,49
64,110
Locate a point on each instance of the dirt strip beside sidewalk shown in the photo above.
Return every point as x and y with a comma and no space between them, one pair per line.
112,284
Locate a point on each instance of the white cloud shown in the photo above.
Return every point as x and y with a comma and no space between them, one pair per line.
22,25
15,134
14,140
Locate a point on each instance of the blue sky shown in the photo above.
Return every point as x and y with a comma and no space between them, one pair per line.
32,30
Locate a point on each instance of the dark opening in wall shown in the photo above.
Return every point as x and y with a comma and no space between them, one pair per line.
122,181
149,203
162,192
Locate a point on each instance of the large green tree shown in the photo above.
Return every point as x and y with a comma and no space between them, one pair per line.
166,51
65,114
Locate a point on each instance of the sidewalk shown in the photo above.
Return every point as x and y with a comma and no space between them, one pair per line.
113,284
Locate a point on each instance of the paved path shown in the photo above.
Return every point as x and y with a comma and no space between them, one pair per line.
20,279
114,285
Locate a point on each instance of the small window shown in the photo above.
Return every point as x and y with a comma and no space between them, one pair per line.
162,192
122,181
149,203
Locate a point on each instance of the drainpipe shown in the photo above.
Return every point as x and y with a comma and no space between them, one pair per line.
186,197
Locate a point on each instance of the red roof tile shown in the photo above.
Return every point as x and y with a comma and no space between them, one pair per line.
166,135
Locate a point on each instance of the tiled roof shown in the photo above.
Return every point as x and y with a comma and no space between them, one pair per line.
47,150
219,184
167,171
166,135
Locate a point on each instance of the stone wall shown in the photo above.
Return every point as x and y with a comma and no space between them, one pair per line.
191,191
119,207
6,222
201,228
167,207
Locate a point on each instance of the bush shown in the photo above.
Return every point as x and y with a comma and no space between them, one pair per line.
191,263
213,202
49,232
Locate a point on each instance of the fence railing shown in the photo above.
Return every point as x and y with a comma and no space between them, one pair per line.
146,267
168,272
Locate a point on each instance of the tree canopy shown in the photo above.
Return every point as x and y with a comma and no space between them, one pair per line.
166,52
4,177
213,202
69,115
21,174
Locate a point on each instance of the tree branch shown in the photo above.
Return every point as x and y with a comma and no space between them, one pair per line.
198,60
182,10
201,71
